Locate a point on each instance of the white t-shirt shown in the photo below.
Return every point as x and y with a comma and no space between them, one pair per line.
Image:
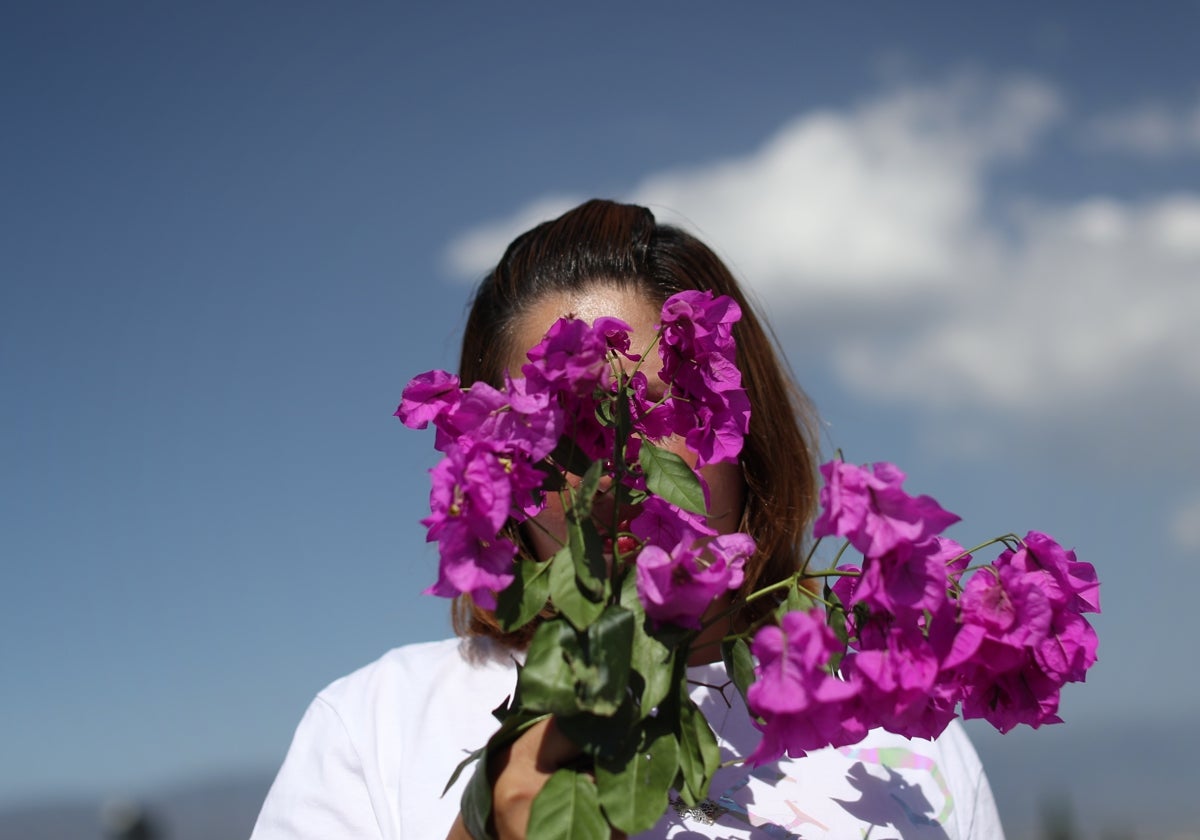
375,749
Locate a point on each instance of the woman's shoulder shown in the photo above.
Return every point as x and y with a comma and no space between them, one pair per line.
414,675
376,746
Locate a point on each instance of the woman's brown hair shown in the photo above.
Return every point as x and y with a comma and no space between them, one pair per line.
602,242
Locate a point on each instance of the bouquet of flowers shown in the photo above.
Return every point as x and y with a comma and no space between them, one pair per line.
905,637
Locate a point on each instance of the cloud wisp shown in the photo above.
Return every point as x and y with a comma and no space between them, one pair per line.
1017,313
1148,130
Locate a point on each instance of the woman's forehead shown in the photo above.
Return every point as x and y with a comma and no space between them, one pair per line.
597,301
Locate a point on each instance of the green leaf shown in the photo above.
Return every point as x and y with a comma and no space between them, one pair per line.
605,413
476,803
669,476
587,549
569,600
524,598
739,664
799,598
569,457
567,808
837,623
624,415
796,599
634,789
628,596
462,765
585,493
546,682
654,663
566,672
553,478
624,425
601,737
609,649
653,658
699,755
835,614
587,556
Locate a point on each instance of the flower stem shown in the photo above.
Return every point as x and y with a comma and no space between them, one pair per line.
1007,539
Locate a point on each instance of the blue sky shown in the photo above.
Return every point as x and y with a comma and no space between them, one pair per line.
230,233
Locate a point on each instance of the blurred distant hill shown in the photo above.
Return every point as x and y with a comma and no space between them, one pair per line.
1113,782
216,809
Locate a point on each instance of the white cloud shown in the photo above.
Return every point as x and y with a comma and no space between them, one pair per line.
1149,130
1076,316
881,197
1095,301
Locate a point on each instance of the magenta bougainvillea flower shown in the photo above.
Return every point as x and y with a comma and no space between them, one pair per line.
678,586
926,635
494,439
661,523
656,419
700,366
801,706
923,633
872,511
697,328
1005,616
1069,649
911,578
428,396
1068,582
470,501
1008,698
573,356
1023,634
895,677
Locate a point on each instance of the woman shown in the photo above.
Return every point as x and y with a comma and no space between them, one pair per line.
374,750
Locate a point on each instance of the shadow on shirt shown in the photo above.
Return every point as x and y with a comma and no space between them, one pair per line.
891,803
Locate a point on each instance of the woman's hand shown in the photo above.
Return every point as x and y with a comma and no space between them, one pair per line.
520,772
518,775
